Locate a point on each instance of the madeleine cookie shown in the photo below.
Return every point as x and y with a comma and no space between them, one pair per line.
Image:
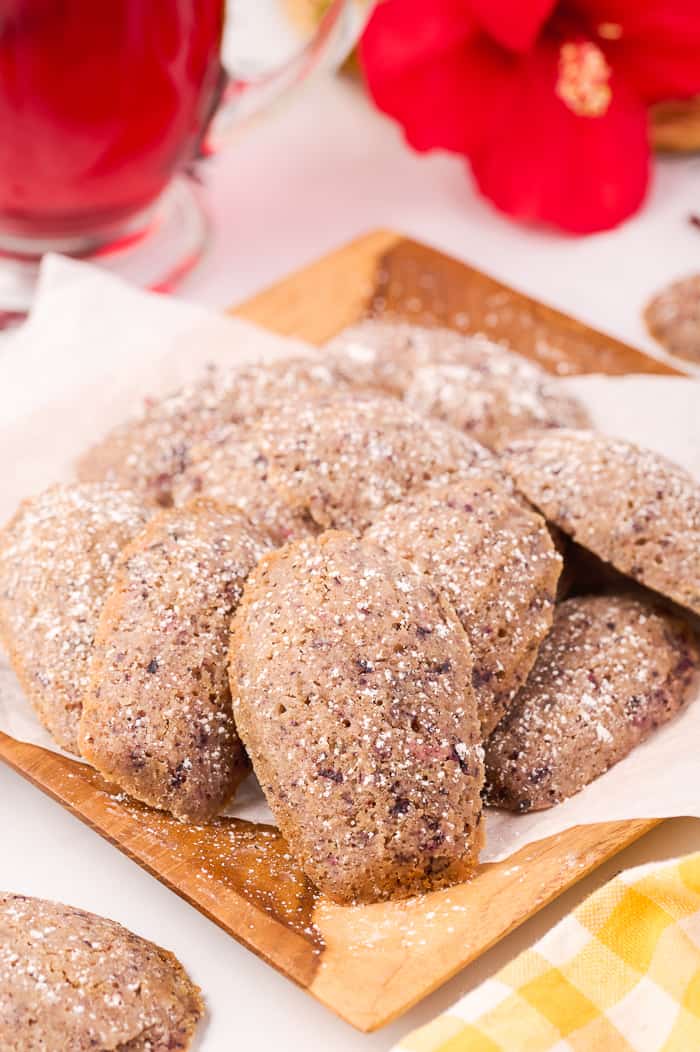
612,670
631,507
385,354
381,354
351,685
230,468
57,558
468,381
340,460
157,720
71,981
150,452
495,400
495,560
673,317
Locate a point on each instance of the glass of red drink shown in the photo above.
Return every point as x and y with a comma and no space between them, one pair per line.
104,104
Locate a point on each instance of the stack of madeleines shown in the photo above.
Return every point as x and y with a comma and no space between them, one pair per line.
346,571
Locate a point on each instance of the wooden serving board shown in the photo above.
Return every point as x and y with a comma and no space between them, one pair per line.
368,963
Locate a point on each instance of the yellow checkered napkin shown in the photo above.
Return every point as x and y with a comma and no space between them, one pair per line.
619,974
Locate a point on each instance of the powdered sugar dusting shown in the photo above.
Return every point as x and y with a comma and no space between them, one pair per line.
150,452
495,561
158,720
628,505
57,559
352,690
72,980
344,459
470,382
612,670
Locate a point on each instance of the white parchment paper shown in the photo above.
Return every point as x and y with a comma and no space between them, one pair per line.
94,348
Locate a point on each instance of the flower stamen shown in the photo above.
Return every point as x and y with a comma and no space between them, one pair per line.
583,81
610,30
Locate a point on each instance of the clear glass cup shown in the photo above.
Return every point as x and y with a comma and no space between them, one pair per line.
106,105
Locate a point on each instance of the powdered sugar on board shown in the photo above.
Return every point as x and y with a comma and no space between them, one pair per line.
94,347
658,780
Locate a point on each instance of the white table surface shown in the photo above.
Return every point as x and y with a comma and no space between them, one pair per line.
313,175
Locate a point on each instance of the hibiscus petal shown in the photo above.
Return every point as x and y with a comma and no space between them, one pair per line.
428,66
512,23
655,44
546,162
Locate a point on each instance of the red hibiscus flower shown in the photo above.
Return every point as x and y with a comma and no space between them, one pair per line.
547,99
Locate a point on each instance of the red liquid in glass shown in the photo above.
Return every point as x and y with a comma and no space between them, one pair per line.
100,102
